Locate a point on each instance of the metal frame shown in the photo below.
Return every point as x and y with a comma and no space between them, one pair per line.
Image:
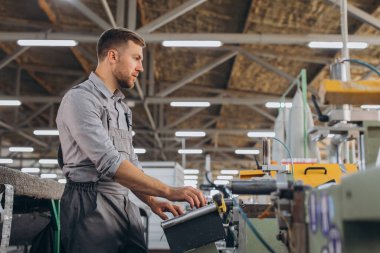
226,38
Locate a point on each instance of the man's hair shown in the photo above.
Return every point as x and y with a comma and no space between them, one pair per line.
114,37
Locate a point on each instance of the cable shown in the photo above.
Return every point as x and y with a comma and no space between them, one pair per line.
363,63
290,156
257,163
250,224
208,179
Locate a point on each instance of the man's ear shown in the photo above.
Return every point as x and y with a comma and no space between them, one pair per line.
113,55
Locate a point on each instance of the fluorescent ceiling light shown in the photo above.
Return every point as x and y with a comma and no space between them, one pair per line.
369,107
190,104
62,181
30,170
192,43
48,175
187,177
48,161
261,134
10,102
278,105
45,132
229,172
337,45
190,182
5,161
224,177
190,151
21,149
221,182
191,171
190,134
247,152
140,150
48,43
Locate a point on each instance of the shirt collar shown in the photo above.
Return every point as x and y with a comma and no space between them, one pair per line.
102,87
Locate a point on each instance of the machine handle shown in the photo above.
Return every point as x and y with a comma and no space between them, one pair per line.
219,202
315,168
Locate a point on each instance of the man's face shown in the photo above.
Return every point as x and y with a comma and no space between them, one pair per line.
128,65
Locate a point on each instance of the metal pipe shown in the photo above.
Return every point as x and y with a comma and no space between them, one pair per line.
253,187
344,31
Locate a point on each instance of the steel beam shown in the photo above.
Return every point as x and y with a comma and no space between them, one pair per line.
266,65
4,62
359,14
203,141
230,162
51,70
262,112
307,59
120,13
26,136
150,118
34,99
169,16
254,100
229,131
211,122
205,149
89,14
196,74
184,117
151,56
132,11
108,12
17,93
276,39
88,55
35,114
226,38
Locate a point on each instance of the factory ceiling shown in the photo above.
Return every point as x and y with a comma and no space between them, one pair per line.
264,49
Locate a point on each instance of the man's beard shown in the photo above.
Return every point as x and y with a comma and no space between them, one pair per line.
124,82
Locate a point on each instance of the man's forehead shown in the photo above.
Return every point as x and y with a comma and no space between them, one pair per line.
133,48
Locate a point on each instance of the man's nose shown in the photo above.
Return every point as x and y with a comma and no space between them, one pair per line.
140,67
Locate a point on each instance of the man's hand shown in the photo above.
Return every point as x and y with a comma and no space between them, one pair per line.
189,194
159,207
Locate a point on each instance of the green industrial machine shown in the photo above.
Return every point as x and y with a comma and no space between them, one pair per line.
371,142
349,215
296,219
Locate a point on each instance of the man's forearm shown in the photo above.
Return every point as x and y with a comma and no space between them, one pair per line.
147,199
133,178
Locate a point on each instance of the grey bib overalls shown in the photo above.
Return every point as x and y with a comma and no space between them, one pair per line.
97,217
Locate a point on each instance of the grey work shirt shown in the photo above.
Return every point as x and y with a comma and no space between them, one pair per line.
89,119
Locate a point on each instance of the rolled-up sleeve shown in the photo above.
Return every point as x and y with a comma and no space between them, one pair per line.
135,161
83,119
